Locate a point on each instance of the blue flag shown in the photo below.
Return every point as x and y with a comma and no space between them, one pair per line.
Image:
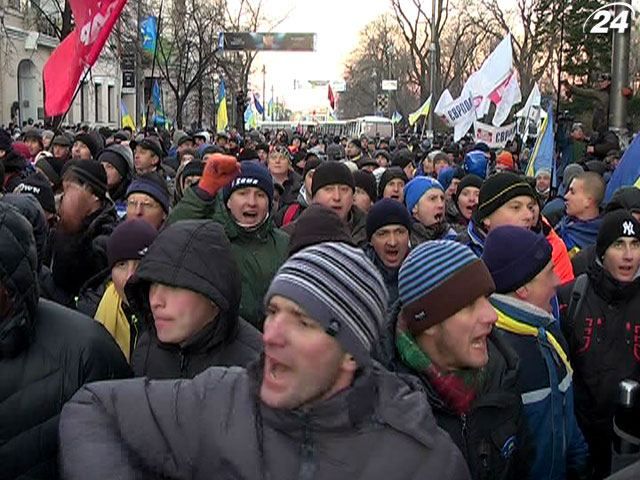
543,155
149,31
259,107
628,171
156,96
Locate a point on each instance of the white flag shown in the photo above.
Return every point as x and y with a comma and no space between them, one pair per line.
496,68
529,116
510,96
445,99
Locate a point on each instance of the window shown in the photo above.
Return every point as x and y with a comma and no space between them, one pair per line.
97,99
111,103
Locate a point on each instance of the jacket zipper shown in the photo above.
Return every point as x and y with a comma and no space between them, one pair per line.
307,468
183,364
463,418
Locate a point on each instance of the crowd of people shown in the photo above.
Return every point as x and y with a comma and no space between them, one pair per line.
289,304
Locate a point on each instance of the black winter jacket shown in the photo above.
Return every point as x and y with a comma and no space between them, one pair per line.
215,426
195,255
604,348
47,352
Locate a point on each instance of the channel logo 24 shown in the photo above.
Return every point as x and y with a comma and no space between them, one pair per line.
605,19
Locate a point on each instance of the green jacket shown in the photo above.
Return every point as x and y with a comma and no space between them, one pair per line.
258,253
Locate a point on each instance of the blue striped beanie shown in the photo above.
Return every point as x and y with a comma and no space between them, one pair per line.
338,287
437,280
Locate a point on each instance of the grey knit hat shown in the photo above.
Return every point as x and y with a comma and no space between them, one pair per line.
340,289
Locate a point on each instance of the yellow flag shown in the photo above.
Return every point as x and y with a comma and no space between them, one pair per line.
423,110
222,118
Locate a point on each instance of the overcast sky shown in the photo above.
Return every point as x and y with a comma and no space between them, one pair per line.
336,24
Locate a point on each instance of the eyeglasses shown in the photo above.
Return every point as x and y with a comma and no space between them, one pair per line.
144,204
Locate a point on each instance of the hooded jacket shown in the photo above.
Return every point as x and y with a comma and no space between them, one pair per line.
258,252
379,428
357,222
46,353
193,255
604,348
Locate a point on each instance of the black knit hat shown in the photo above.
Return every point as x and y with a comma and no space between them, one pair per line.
38,186
356,142
310,164
152,144
616,224
90,141
88,172
627,198
367,182
248,154
498,190
387,212
318,224
388,175
130,241
193,169
331,173
117,161
152,184
52,168
469,180
402,158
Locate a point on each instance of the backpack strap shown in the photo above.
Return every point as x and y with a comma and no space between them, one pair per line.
577,296
290,213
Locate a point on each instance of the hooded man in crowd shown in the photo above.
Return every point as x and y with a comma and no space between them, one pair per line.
316,405
187,290
117,160
47,352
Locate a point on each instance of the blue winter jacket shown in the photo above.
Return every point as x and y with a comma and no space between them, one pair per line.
545,383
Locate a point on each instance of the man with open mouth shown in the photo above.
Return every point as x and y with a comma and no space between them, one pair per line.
443,326
316,405
424,197
601,324
525,288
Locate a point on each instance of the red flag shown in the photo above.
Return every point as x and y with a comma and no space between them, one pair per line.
94,21
332,99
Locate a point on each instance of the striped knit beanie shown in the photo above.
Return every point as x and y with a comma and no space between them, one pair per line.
437,280
339,288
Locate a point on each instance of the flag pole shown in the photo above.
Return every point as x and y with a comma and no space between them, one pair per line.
155,54
62,117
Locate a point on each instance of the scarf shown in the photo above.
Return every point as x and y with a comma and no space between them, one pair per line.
457,389
577,233
112,317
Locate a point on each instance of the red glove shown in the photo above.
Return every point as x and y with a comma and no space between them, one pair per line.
220,170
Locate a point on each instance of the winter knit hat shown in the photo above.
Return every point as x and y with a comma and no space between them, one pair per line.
389,174
151,184
193,169
120,157
331,173
437,280
130,241
627,198
402,158
38,186
445,177
416,188
505,160
367,182
310,164
88,172
252,174
90,141
616,224
52,168
339,288
152,144
387,212
318,224
515,256
469,180
498,190
570,172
